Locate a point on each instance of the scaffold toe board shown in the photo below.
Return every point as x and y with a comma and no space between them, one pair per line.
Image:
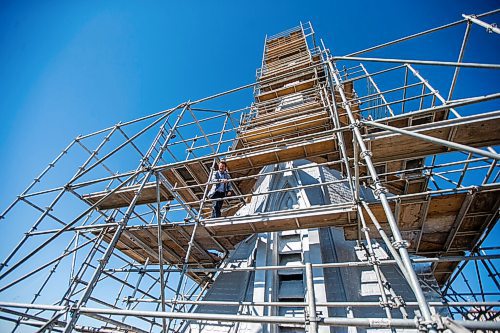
314,217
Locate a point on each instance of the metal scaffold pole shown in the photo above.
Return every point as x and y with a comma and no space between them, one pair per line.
399,243
75,313
360,198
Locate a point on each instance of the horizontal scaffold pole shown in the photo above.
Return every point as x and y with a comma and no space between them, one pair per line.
346,264
402,39
331,321
420,62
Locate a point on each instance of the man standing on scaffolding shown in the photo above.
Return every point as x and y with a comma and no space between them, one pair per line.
221,188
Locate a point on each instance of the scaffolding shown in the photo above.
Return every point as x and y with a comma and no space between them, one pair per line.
137,249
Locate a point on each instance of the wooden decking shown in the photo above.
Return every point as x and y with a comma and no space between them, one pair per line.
444,225
140,243
385,147
124,196
292,119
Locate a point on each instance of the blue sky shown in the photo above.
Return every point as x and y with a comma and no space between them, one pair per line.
73,67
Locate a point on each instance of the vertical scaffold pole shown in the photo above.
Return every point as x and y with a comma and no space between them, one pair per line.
197,220
372,258
160,252
121,226
380,191
311,299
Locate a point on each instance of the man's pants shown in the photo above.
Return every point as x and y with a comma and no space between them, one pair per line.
217,204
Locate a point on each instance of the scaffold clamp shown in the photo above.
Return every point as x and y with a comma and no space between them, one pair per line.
400,244
380,190
365,153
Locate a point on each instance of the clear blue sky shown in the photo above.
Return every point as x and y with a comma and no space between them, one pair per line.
73,67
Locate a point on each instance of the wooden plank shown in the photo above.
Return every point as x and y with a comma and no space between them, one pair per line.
270,113
292,64
439,220
300,86
177,181
442,213
124,196
230,230
175,241
286,152
384,149
294,42
293,126
287,49
316,217
481,133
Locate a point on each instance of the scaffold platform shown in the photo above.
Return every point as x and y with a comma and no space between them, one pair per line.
353,193
291,119
386,147
432,225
